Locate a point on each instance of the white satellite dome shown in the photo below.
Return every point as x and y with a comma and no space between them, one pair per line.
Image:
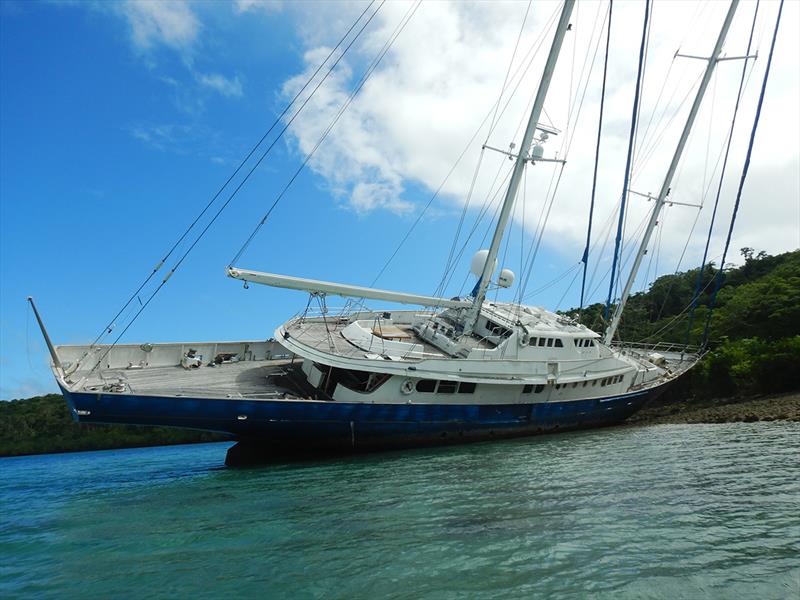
506,278
478,261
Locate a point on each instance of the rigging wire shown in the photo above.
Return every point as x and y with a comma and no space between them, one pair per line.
552,282
483,149
635,237
565,149
745,169
505,79
698,283
342,109
674,320
485,210
649,151
585,258
110,326
634,119
532,52
490,199
447,277
227,202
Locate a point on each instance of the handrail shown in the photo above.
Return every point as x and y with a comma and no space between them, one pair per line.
662,346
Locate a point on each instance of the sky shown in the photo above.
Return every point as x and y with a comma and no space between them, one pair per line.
120,120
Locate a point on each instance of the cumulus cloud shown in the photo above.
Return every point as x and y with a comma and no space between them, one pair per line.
443,75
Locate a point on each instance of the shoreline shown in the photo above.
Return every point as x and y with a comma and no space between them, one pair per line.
773,407
750,409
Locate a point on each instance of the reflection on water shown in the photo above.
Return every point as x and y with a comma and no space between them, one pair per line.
692,511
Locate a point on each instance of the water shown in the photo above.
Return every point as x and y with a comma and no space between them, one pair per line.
672,511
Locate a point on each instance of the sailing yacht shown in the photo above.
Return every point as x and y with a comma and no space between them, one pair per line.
450,370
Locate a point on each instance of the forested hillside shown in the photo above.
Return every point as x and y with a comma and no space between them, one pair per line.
753,334
43,424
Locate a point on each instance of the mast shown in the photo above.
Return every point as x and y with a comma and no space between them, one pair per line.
662,195
519,166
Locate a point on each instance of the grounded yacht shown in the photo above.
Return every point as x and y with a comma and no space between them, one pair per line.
458,369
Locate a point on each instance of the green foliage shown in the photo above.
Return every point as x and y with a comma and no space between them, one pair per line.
767,306
748,366
44,424
754,329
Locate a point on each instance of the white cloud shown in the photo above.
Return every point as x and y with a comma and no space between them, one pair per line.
440,79
242,6
168,22
221,84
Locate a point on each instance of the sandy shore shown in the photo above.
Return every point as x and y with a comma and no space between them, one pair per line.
782,407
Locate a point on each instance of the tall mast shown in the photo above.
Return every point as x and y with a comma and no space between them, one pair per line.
662,195
519,166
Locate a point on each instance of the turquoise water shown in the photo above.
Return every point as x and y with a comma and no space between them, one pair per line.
672,511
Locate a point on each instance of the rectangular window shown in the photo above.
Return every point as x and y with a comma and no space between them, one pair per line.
466,387
558,343
532,342
542,341
426,385
527,389
549,342
539,389
447,387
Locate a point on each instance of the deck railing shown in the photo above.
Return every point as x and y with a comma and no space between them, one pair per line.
672,348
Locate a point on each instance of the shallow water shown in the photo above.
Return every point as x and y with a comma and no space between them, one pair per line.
671,511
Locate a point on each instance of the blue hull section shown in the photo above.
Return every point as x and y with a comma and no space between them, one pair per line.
311,426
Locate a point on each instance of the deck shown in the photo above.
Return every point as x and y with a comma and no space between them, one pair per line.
247,379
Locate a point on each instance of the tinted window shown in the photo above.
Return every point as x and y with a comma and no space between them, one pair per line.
527,389
426,385
466,387
447,387
559,344
549,342
539,389
542,341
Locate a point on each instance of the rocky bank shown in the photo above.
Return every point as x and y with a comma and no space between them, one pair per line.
782,407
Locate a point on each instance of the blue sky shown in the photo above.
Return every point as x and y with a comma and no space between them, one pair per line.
118,121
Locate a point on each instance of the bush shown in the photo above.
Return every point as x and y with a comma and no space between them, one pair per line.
750,366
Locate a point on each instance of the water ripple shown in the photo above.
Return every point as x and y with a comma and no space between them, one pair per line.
674,511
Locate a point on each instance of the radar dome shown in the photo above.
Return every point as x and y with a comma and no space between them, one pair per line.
506,278
478,261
